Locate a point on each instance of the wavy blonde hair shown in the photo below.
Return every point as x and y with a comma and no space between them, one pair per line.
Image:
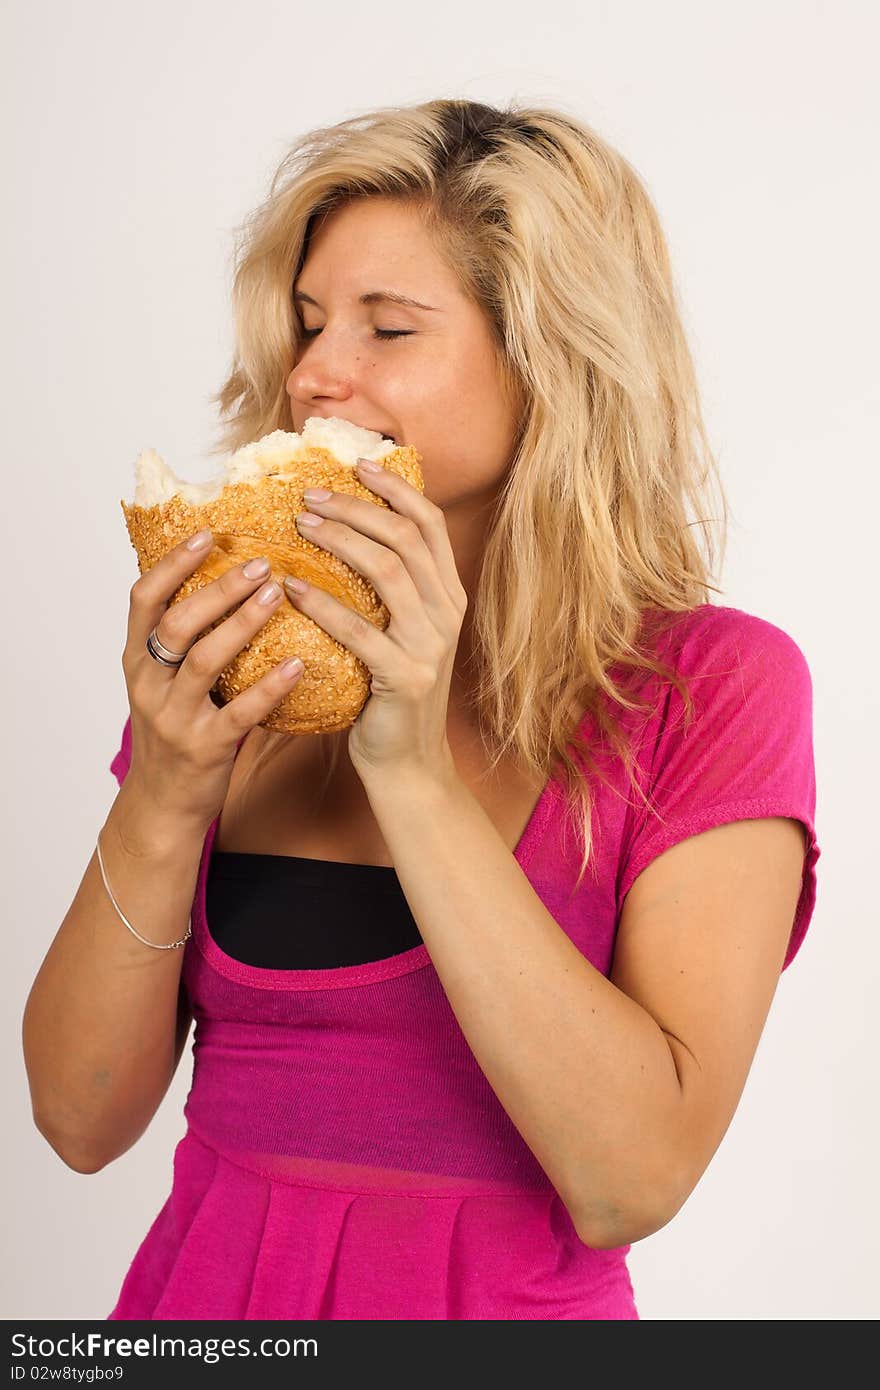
590,553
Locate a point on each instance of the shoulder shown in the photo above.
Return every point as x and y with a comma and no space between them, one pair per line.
733,664
691,638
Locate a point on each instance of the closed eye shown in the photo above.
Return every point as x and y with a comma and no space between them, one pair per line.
379,332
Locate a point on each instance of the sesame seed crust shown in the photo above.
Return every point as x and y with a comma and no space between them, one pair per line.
250,519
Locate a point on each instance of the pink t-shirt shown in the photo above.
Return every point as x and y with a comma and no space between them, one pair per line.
345,1157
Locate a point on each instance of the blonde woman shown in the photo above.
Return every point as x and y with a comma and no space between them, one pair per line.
478,982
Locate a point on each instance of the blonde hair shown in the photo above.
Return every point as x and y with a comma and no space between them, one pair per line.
590,552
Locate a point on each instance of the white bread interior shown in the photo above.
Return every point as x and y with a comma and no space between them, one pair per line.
155,482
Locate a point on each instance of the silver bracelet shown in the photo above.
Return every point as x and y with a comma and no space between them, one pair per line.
171,946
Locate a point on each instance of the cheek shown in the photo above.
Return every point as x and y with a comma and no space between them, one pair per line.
446,396
477,415
466,448
456,416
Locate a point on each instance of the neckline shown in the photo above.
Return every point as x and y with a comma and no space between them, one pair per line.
300,859
340,976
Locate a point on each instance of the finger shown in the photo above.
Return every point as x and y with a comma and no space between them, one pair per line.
178,625
211,654
359,636
188,619
251,706
151,593
375,648
396,533
409,502
412,612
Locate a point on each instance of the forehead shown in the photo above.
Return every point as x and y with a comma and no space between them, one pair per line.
376,239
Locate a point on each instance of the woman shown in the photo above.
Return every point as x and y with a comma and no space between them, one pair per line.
442,1071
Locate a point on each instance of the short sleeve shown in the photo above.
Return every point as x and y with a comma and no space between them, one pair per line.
746,753
121,763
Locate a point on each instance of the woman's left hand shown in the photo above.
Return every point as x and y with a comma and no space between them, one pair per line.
406,555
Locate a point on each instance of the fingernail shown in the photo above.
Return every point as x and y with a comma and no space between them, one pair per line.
200,538
369,467
299,586
255,569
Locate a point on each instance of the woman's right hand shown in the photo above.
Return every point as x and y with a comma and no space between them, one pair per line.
183,745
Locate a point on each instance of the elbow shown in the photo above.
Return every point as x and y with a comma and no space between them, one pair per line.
77,1159
80,1165
606,1225
613,1229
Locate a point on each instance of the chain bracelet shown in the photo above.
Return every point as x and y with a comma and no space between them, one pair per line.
171,946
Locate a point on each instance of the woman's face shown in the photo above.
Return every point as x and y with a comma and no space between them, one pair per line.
436,386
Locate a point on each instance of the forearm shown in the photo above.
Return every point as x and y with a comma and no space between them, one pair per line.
99,1024
583,1071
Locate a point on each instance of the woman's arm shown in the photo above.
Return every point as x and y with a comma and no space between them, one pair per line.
105,1020
622,1087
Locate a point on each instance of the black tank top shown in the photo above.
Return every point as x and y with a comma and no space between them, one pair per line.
286,913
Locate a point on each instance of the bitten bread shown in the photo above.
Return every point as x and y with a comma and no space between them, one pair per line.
251,510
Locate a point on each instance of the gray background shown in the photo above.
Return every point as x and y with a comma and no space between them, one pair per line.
135,138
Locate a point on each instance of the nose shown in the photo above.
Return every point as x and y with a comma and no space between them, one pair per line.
322,370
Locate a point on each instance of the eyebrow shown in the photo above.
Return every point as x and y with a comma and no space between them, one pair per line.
374,297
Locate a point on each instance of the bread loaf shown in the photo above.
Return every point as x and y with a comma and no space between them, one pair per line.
251,510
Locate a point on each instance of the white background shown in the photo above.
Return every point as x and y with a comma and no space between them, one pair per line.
135,138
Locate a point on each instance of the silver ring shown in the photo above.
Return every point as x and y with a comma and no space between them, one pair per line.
161,654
